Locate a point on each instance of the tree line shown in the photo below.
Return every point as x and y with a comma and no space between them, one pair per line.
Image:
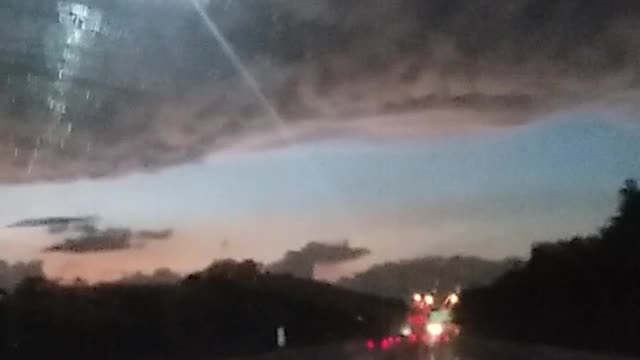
582,292
400,279
230,308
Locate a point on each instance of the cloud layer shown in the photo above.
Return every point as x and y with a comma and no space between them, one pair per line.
91,239
55,225
94,240
82,235
110,94
301,263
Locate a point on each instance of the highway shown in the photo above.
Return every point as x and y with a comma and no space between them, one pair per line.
463,349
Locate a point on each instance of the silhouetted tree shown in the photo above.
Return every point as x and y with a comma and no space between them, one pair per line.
232,270
580,292
230,308
400,279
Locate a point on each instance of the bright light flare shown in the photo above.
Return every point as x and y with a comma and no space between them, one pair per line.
428,299
405,331
417,297
454,299
273,116
435,329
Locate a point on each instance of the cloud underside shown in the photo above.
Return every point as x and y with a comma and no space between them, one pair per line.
301,263
96,241
82,235
93,240
54,224
90,239
329,69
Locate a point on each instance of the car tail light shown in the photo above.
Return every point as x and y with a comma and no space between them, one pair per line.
384,344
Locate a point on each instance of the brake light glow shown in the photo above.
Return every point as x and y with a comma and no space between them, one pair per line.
384,345
435,329
371,344
454,298
428,299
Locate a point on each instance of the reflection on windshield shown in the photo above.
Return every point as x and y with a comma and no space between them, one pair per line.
233,177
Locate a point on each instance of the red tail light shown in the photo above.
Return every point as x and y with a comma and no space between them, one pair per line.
384,345
371,344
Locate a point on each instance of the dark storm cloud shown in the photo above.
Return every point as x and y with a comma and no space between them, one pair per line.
301,262
109,94
88,238
52,221
59,224
154,234
95,241
82,235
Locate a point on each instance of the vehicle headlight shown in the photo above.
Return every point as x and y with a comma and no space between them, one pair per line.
428,299
405,331
435,329
454,298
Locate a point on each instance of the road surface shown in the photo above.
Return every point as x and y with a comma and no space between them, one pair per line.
463,349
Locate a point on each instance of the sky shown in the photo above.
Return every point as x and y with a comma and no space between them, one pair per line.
490,194
252,128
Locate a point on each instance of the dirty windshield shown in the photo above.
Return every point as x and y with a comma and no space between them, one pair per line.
339,179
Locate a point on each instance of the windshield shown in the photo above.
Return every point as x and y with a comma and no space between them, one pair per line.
233,177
